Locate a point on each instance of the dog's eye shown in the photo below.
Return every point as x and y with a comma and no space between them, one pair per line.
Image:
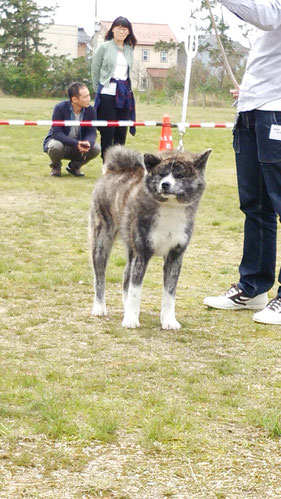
178,174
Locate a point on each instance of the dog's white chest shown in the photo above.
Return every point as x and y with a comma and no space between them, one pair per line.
169,230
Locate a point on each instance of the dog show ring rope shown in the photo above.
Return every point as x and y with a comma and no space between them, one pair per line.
98,123
166,142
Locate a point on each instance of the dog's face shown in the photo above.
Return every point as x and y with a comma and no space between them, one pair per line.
176,176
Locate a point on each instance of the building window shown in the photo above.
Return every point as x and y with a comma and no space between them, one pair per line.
164,56
145,55
143,84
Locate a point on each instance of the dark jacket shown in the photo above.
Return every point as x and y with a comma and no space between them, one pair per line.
62,112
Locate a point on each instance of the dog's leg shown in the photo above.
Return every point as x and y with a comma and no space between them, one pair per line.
132,301
102,244
171,272
127,276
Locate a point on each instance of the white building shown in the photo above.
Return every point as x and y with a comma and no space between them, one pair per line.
66,40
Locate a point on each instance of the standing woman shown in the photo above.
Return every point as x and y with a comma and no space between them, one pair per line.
111,66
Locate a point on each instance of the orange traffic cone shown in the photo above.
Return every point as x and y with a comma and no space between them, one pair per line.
166,139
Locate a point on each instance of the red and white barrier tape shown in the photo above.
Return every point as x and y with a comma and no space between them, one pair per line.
114,123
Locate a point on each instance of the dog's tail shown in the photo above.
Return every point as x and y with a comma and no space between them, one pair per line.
119,159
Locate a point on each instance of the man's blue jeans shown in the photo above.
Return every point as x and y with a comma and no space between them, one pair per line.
258,162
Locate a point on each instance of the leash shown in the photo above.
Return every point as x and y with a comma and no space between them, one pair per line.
225,60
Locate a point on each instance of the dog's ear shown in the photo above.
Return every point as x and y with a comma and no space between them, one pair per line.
151,161
201,159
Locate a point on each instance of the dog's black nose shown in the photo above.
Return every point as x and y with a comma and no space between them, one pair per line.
166,186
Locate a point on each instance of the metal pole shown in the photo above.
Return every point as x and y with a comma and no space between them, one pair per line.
191,47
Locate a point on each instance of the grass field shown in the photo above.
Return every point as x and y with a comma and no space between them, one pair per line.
89,409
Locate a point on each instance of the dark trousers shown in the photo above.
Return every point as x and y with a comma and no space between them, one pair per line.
58,151
258,162
108,111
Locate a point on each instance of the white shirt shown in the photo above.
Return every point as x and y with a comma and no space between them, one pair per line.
120,73
261,82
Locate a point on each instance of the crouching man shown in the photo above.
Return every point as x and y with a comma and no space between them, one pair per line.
75,143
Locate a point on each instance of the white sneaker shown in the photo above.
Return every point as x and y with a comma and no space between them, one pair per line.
235,299
271,314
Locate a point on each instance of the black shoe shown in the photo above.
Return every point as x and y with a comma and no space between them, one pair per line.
56,171
76,172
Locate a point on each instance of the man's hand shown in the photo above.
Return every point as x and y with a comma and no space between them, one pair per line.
83,146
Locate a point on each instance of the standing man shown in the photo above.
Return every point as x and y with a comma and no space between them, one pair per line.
257,145
74,143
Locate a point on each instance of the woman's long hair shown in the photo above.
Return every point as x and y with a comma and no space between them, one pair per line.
122,21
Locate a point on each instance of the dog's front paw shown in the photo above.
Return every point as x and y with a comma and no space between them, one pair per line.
99,309
170,323
130,321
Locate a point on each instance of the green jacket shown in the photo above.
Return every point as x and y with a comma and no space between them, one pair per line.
104,62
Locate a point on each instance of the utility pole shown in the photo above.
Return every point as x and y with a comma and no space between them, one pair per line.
96,24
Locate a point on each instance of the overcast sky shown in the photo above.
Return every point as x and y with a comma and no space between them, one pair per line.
173,12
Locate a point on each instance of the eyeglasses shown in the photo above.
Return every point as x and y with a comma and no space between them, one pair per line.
121,28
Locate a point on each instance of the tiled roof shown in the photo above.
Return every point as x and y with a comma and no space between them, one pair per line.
147,34
210,40
82,36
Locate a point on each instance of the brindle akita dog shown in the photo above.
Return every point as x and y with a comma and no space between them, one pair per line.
151,202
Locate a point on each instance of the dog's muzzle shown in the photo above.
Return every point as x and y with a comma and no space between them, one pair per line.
166,187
